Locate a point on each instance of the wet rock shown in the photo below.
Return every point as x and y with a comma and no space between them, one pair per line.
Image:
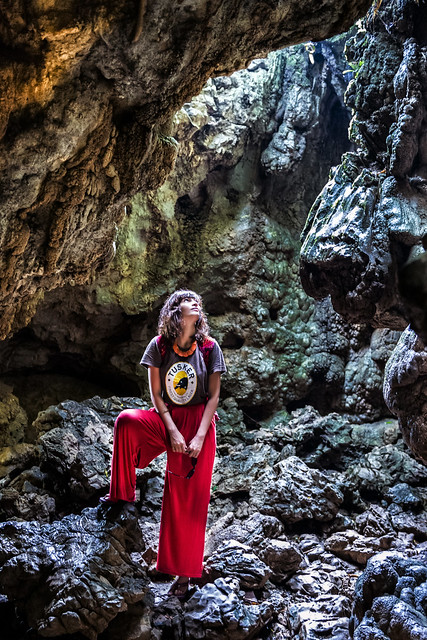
283,558
383,467
292,491
13,419
76,442
234,559
75,575
217,611
405,496
325,617
236,472
252,531
357,548
390,599
375,521
412,523
404,390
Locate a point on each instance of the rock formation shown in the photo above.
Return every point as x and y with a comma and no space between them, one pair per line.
89,92
227,223
90,572
367,228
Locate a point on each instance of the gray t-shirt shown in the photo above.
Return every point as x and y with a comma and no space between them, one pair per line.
184,380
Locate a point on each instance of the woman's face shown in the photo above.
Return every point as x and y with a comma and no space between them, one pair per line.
190,309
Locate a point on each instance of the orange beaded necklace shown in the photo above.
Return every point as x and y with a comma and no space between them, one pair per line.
184,354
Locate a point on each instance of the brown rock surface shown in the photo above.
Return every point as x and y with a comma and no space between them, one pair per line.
85,117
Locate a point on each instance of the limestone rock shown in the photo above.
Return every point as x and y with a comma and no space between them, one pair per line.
384,466
76,446
292,492
75,575
390,599
234,559
326,617
217,611
282,556
404,390
13,420
383,209
86,118
354,547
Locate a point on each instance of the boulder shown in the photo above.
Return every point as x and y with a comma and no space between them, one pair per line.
292,492
74,575
216,611
390,598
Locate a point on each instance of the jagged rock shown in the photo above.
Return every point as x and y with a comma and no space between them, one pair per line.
76,444
234,559
390,599
383,467
75,575
412,523
357,548
326,617
13,419
253,531
236,472
405,496
282,556
369,220
385,210
291,491
323,573
404,390
375,521
216,611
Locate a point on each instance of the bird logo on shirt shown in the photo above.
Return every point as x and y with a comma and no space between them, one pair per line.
181,382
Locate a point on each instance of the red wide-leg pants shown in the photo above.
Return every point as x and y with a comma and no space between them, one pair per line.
139,437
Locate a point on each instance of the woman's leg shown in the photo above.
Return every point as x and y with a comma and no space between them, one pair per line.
139,437
185,502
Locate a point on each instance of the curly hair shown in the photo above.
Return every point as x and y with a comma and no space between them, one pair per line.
169,325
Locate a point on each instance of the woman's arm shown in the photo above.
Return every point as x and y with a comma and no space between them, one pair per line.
178,443
214,385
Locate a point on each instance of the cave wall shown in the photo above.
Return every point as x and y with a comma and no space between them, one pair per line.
254,149
89,90
364,241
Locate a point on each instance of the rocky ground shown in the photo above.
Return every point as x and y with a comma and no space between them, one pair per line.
323,519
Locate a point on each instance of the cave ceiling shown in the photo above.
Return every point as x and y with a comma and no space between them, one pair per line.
88,93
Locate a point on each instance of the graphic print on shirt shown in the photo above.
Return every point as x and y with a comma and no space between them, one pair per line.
181,382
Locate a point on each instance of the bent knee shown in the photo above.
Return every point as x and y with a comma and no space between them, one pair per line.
126,418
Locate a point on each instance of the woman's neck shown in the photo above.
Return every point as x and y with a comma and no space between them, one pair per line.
186,337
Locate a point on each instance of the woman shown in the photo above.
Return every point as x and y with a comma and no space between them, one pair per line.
184,370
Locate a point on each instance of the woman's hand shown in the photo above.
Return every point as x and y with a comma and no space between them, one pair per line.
195,446
178,443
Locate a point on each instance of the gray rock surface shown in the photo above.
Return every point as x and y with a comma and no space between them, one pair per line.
234,559
367,228
405,390
217,611
291,491
390,599
86,118
75,575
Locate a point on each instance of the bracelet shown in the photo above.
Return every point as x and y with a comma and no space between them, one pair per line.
166,411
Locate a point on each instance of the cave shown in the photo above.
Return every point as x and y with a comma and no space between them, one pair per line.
271,157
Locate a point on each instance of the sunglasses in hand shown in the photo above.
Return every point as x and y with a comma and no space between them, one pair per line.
190,474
